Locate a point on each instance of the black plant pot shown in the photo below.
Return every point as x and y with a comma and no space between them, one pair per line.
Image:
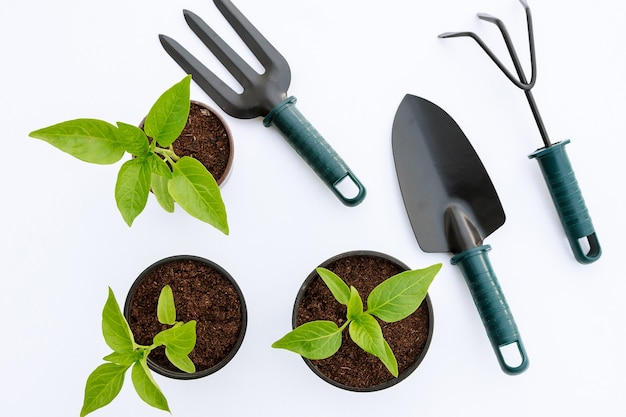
351,368
203,291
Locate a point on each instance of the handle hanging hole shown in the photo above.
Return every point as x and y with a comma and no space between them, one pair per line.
347,187
586,249
584,244
590,245
512,354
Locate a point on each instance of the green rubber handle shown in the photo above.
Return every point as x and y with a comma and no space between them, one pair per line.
492,307
312,147
568,200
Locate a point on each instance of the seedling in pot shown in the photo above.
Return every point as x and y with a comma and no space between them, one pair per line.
392,300
153,166
106,381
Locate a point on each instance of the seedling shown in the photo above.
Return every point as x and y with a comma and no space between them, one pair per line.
106,381
154,165
392,300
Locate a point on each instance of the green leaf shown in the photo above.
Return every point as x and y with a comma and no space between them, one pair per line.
166,310
123,358
115,329
399,296
389,360
168,116
337,287
146,386
161,192
355,304
195,190
132,188
313,340
103,385
89,140
159,166
178,340
133,139
366,332
181,362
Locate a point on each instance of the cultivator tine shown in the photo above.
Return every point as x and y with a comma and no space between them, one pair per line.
222,94
525,84
521,81
265,52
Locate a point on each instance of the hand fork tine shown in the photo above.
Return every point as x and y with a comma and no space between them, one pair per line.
242,72
265,52
263,95
224,96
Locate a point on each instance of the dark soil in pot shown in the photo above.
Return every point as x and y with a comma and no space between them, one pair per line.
352,368
207,138
204,292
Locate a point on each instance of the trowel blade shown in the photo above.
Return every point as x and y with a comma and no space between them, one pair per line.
450,200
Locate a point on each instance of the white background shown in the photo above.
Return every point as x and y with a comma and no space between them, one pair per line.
352,62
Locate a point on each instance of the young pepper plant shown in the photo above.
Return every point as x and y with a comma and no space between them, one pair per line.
392,300
154,165
106,381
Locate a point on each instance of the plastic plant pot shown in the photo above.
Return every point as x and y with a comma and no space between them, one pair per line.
353,373
203,291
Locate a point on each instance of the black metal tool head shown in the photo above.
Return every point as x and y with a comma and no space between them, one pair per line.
520,79
451,202
261,92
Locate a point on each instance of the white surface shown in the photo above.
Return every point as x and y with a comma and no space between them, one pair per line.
352,62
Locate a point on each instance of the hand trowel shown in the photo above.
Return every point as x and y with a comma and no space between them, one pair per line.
452,207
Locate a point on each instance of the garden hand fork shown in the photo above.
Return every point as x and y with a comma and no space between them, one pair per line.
263,95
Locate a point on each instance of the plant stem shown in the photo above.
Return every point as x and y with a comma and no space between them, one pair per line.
144,347
167,154
342,328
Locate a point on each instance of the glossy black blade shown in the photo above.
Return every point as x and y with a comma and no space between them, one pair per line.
450,200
